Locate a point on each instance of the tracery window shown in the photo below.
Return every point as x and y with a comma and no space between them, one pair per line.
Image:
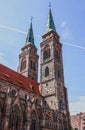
46,52
46,71
23,64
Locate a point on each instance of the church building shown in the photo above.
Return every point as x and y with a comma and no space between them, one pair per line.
26,104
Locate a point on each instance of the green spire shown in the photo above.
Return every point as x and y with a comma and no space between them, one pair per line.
30,36
50,23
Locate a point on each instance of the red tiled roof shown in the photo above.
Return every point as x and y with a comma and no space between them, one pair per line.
15,78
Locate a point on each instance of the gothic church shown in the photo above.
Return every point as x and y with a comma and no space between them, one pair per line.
26,104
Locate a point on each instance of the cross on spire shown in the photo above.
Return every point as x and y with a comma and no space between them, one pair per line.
49,4
31,18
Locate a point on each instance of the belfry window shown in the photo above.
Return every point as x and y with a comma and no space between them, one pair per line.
57,56
59,74
46,71
46,53
34,68
23,64
33,65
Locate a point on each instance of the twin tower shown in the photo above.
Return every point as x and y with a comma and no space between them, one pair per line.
51,65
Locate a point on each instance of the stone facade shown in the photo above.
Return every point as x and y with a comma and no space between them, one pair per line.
22,105
78,121
28,62
52,85
24,110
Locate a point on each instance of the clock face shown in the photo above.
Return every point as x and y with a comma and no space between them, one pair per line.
48,89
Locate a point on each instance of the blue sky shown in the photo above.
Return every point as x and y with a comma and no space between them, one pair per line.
69,17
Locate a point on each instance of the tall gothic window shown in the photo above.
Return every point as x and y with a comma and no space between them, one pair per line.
33,120
23,64
46,52
15,118
46,71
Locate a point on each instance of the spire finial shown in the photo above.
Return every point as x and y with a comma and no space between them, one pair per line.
49,4
31,18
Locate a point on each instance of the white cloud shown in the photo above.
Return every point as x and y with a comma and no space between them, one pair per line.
78,106
65,31
63,24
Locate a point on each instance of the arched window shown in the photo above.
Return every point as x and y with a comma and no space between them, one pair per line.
46,52
59,74
15,122
23,64
46,71
33,65
33,120
57,55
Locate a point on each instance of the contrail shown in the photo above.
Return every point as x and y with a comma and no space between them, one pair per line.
15,30
23,32
12,29
73,45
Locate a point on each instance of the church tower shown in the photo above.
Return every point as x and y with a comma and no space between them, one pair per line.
52,77
28,59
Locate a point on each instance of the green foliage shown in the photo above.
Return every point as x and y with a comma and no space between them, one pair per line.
72,128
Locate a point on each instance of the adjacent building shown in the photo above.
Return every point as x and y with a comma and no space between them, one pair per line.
78,121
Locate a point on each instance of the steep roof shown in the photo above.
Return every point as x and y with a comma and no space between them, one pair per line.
17,79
